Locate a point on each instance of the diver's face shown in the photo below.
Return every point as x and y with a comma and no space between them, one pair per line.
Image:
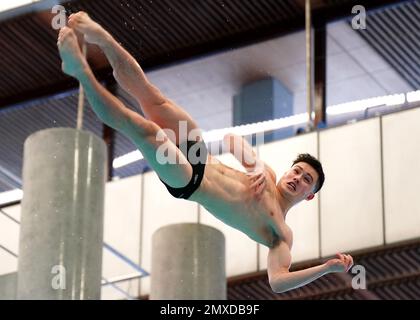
298,183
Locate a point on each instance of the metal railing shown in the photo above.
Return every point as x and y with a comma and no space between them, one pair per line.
105,282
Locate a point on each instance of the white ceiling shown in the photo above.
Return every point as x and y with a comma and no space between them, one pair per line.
205,87
11,4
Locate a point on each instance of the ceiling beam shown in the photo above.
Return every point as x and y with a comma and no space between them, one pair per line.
326,14
322,13
30,8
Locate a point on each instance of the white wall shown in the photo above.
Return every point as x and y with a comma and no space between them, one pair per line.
122,231
401,150
349,205
351,200
9,238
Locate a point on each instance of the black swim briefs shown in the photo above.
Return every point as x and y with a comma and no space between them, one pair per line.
197,158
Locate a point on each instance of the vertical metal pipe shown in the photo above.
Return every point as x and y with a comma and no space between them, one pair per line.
308,37
80,104
320,74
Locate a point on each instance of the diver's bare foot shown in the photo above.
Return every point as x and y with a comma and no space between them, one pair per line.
74,63
93,31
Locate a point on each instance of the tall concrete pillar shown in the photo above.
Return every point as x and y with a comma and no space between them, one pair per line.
61,236
188,263
8,286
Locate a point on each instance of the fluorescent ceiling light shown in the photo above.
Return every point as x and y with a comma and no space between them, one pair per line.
218,134
11,196
12,4
413,96
361,105
259,127
127,159
395,99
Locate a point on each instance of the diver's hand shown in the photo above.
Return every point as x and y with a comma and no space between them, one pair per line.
342,263
258,178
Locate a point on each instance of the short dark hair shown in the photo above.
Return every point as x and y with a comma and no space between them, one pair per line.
314,163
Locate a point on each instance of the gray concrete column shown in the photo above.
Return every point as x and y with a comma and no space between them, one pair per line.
8,286
188,262
61,236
